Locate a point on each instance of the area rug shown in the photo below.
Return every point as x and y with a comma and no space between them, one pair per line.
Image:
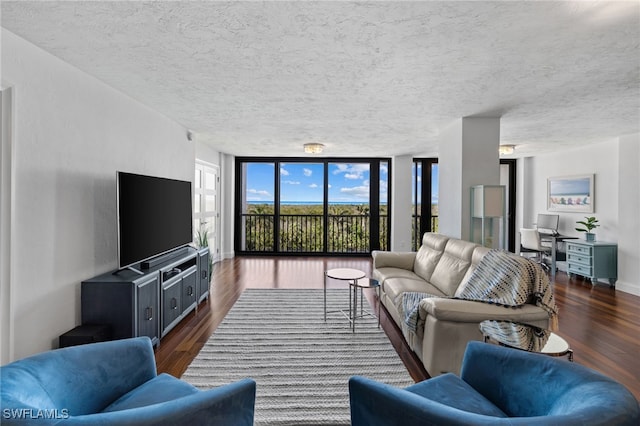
301,364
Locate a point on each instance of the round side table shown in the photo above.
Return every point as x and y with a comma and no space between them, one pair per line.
342,274
525,337
362,284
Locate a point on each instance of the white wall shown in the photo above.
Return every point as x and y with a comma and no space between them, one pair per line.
72,132
616,197
206,153
6,155
468,156
401,203
629,213
227,169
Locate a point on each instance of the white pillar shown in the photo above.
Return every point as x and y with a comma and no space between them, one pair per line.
468,156
628,207
401,204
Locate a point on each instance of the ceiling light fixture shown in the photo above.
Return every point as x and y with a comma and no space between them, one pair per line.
506,149
313,148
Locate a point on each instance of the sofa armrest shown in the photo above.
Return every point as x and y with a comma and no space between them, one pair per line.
458,310
390,259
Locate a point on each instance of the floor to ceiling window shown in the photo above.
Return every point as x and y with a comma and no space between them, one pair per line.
425,187
301,207
328,206
256,193
425,184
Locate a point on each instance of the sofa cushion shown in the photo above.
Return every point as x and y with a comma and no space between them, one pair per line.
395,287
384,274
162,388
478,253
452,266
450,390
429,254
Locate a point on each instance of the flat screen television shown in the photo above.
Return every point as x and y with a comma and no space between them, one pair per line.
154,216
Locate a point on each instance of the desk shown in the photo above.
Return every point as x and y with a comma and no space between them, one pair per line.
555,239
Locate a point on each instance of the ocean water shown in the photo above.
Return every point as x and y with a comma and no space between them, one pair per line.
312,203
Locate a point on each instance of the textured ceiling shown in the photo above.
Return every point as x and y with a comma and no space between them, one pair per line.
363,78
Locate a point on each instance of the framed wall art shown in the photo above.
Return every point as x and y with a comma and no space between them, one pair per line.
570,194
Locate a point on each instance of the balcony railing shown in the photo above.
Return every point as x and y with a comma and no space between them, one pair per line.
299,233
305,233
415,234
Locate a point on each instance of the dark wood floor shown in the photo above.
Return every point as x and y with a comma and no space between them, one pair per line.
601,325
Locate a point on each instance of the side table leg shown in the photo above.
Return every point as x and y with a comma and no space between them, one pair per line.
355,305
325,296
378,292
350,296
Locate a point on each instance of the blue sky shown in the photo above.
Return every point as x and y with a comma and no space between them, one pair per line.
434,183
348,182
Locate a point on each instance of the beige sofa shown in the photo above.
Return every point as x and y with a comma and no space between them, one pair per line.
441,267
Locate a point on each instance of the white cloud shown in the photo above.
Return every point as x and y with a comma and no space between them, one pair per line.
283,171
351,171
356,191
291,182
313,185
258,194
307,172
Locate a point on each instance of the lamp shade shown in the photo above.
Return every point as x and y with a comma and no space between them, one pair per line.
488,200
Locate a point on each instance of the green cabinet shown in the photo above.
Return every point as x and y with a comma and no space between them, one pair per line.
593,259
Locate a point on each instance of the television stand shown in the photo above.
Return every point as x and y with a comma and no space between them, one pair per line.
149,302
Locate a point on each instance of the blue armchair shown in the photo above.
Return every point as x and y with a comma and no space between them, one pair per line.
498,386
114,383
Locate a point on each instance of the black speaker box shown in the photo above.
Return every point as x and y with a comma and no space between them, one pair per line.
83,334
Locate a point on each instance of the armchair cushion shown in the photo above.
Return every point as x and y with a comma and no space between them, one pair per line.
159,389
450,390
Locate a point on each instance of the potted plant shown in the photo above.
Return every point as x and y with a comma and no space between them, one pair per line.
587,226
202,240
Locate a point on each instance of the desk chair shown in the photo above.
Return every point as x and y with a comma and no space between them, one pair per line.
530,243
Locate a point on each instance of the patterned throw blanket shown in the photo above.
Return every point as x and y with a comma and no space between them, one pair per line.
500,278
